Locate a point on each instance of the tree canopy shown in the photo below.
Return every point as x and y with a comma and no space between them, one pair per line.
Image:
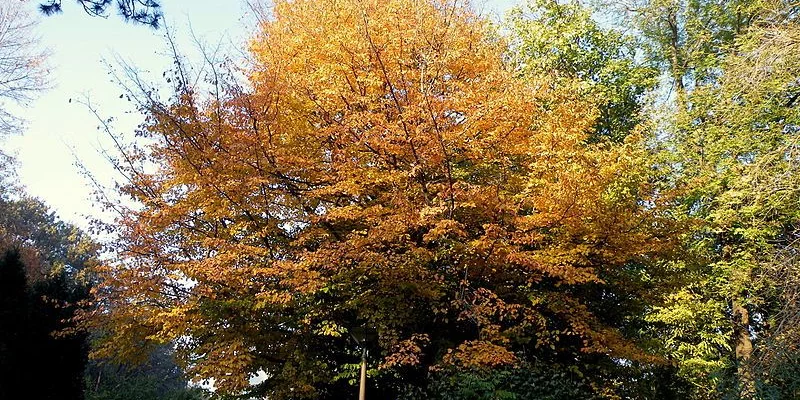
400,182
592,201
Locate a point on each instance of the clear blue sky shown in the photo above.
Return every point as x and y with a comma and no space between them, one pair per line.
59,131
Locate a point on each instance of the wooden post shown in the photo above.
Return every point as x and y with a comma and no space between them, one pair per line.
362,389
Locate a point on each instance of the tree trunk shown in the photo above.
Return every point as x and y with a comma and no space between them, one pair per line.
677,67
743,348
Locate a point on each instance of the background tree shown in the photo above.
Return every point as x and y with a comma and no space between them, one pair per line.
52,257
22,63
686,37
609,68
159,378
27,222
37,338
46,278
731,133
13,315
748,125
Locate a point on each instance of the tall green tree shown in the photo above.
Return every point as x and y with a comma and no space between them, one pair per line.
687,38
608,67
729,144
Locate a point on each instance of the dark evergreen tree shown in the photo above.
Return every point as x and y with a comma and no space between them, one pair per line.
41,356
13,322
43,284
58,350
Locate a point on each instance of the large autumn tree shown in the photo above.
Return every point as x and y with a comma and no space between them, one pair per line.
384,180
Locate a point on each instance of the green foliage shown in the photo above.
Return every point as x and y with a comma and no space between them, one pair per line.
782,381
728,166
731,146
550,380
38,314
687,38
42,286
157,379
509,384
59,245
563,41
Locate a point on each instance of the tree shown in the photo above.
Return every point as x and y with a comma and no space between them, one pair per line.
749,124
35,340
13,299
48,244
730,146
523,382
45,283
22,63
564,42
146,12
157,379
386,173
687,38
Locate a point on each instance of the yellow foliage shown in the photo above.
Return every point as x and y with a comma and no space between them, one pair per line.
387,170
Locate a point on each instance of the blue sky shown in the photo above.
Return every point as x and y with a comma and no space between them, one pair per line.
60,131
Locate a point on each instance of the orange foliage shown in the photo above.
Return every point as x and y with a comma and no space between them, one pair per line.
386,170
